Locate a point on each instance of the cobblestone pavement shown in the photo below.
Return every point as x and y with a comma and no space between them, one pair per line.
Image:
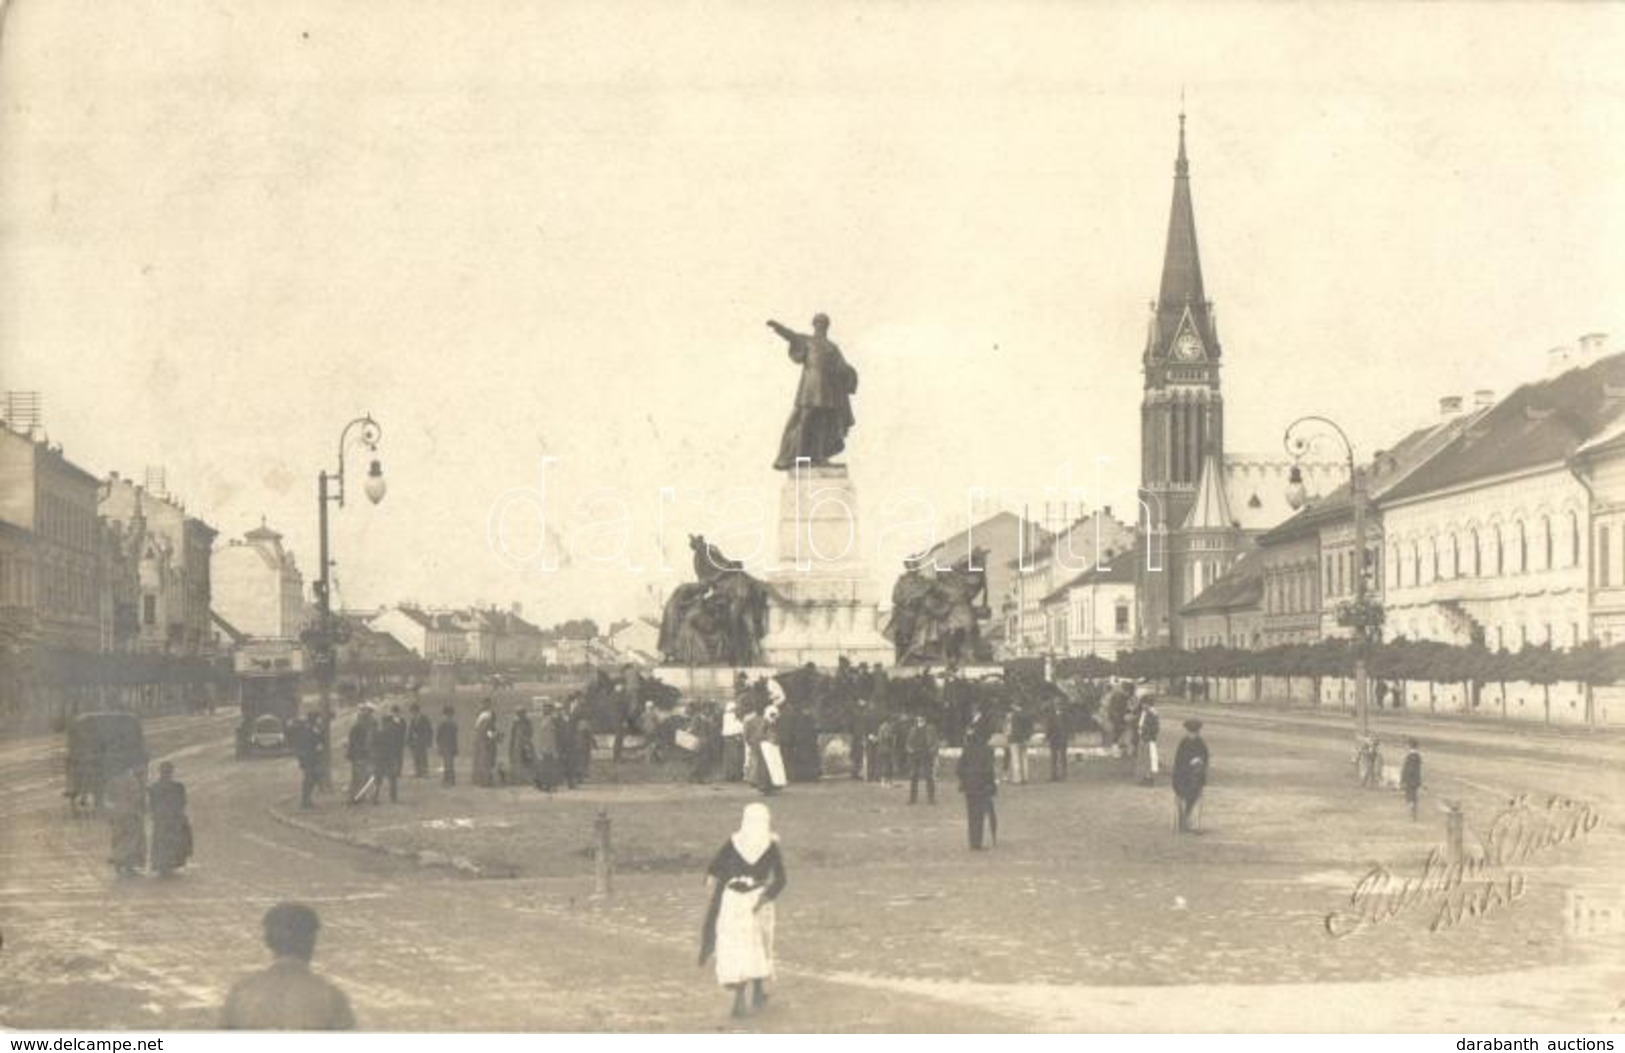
1091,914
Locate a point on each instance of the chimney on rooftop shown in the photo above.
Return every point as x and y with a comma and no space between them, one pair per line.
1450,407
1483,398
1592,347
1559,360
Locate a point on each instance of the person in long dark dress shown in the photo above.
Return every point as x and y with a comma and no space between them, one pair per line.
745,879
1190,776
171,832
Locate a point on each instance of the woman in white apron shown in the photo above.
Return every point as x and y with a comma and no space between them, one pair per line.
744,879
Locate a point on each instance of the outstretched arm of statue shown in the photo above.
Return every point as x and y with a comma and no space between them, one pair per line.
798,342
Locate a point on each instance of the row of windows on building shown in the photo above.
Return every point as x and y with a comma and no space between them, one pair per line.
1082,617
1500,637
1290,590
65,523
1491,554
60,590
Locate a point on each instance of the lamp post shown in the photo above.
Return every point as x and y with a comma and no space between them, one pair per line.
330,488
1301,435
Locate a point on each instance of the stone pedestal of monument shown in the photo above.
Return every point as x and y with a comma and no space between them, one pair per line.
826,600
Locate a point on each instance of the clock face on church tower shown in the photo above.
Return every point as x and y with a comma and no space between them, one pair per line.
1188,347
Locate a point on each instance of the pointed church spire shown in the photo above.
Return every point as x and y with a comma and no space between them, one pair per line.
1181,263
1182,166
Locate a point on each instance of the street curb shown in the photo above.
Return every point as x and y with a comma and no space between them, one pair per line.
422,857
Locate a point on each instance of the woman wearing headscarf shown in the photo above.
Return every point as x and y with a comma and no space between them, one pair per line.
744,880
171,833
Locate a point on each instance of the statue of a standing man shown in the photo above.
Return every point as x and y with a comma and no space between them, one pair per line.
823,409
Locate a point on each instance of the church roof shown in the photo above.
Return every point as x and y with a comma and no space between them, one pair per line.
1211,511
1541,423
1238,589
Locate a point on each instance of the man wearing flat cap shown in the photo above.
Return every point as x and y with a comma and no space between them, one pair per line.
1190,776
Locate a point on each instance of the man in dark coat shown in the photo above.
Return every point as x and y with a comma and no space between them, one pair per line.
1410,776
979,782
358,750
307,749
445,743
1190,776
1058,735
922,760
388,754
322,725
419,737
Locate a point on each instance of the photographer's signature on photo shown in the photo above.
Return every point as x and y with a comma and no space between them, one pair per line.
1478,881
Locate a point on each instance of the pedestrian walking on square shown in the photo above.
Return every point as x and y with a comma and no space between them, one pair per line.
579,739
771,769
1058,735
445,744
630,708
979,782
287,996
857,726
1150,726
752,726
1019,728
1117,703
171,831
125,798
733,740
388,755
922,760
358,750
419,737
745,879
1190,777
549,751
1410,776
302,739
322,724
521,750
486,737
881,767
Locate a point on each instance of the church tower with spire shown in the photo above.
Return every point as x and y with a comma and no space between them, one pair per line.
1181,418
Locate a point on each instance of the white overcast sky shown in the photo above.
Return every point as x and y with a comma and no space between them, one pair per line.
511,230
